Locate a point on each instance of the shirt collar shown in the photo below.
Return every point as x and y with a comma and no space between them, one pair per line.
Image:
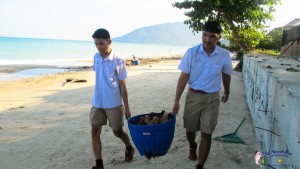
110,57
216,50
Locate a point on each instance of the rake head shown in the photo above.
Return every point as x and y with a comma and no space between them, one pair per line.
230,138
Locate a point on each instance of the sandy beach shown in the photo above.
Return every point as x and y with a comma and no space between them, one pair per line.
44,122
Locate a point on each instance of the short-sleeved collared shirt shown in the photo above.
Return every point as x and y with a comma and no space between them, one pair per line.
108,73
205,72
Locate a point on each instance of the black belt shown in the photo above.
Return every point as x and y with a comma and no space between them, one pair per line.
198,91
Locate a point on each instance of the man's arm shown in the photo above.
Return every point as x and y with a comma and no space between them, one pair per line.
182,81
226,84
124,95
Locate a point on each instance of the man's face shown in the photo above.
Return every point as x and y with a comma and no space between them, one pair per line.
210,39
102,44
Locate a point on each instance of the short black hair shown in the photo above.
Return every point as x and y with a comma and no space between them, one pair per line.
101,34
212,26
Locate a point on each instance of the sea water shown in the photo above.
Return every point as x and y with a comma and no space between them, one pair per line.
67,53
71,52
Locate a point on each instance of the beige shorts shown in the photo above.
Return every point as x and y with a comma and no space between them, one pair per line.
201,112
114,116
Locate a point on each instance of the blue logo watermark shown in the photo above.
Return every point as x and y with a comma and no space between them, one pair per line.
267,158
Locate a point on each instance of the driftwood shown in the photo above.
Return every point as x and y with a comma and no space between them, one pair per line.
152,118
76,80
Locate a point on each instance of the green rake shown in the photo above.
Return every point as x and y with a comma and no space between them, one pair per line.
231,138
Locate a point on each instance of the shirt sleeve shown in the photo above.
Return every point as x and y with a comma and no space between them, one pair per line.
185,63
122,72
227,68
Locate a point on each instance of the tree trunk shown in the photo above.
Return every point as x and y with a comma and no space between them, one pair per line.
236,37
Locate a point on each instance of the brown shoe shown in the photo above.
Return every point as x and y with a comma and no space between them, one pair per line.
95,167
129,155
193,153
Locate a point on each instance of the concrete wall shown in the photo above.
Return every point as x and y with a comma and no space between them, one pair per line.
273,97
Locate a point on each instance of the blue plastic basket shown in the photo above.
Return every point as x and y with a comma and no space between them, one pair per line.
152,140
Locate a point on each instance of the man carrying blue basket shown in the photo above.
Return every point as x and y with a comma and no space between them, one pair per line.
110,92
203,67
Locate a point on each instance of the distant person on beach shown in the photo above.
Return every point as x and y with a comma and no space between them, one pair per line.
110,92
135,61
203,67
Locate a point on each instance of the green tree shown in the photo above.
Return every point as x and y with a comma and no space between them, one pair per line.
243,21
272,41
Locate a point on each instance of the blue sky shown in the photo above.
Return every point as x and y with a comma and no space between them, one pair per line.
77,19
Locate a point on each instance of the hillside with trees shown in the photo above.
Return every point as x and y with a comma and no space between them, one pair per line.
167,34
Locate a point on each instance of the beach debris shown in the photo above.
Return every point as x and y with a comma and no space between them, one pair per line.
285,64
24,127
86,67
80,81
76,80
69,80
269,67
292,70
153,118
79,68
21,107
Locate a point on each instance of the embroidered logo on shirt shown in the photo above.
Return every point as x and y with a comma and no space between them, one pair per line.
197,60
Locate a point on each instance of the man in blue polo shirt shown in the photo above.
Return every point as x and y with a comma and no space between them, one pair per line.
203,67
109,96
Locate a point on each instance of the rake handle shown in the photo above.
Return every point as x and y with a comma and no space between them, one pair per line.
239,126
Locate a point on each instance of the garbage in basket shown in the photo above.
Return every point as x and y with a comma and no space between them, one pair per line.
152,140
